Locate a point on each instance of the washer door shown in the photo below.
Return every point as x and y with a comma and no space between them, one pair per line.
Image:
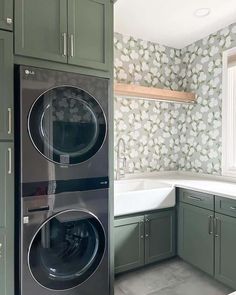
66,250
67,125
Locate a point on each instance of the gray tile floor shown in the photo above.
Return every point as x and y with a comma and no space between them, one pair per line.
172,277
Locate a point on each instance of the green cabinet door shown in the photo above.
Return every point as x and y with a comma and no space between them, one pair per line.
6,85
3,290
195,236
129,243
160,238
6,14
41,29
225,247
6,219
88,33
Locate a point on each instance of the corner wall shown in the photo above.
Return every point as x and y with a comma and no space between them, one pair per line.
169,136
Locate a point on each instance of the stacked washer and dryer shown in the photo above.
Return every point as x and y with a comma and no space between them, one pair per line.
62,183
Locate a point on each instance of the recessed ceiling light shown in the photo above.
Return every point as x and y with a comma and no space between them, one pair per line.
202,12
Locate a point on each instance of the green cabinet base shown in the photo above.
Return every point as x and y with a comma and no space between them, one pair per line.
129,246
225,247
6,219
195,236
144,239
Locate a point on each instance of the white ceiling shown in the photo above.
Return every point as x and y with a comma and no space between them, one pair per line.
172,22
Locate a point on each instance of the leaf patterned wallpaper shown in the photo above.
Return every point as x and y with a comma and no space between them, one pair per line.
169,136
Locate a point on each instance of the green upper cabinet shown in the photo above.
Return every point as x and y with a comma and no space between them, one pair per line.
196,237
76,32
88,22
225,245
129,243
6,14
160,236
6,85
41,29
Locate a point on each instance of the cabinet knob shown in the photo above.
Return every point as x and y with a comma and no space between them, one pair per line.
147,235
9,20
141,237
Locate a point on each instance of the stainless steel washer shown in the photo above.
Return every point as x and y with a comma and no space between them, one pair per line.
64,245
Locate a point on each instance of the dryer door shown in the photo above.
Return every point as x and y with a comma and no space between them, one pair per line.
66,250
67,125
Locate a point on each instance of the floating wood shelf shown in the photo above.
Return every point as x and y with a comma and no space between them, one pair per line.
130,90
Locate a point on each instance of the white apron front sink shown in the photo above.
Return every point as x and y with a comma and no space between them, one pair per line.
139,195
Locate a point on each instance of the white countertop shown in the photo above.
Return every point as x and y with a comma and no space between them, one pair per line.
216,185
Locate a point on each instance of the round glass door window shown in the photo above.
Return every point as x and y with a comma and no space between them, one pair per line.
67,125
66,250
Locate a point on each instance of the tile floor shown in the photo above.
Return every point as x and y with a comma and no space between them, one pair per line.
172,277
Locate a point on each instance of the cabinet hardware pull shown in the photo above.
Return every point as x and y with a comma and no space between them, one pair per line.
194,198
147,220
216,227
210,231
9,121
147,235
64,44
233,208
141,237
72,45
9,161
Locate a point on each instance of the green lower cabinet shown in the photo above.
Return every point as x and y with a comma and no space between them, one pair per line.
144,239
160,238
129,246
6,219
225,248
196,237
2,262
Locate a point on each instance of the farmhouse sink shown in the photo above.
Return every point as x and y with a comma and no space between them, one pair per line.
139,195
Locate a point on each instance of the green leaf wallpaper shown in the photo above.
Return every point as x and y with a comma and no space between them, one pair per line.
169,136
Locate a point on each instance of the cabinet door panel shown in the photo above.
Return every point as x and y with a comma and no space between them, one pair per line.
129,243
6,14
6,185
6,85
88,33
3,290
6,263
226,206
225,246
41,29
198,199
195,236
6,219
159,236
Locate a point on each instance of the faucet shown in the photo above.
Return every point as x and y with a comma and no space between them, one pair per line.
119,158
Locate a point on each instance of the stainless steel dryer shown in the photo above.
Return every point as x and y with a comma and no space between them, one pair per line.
61,125
64,244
